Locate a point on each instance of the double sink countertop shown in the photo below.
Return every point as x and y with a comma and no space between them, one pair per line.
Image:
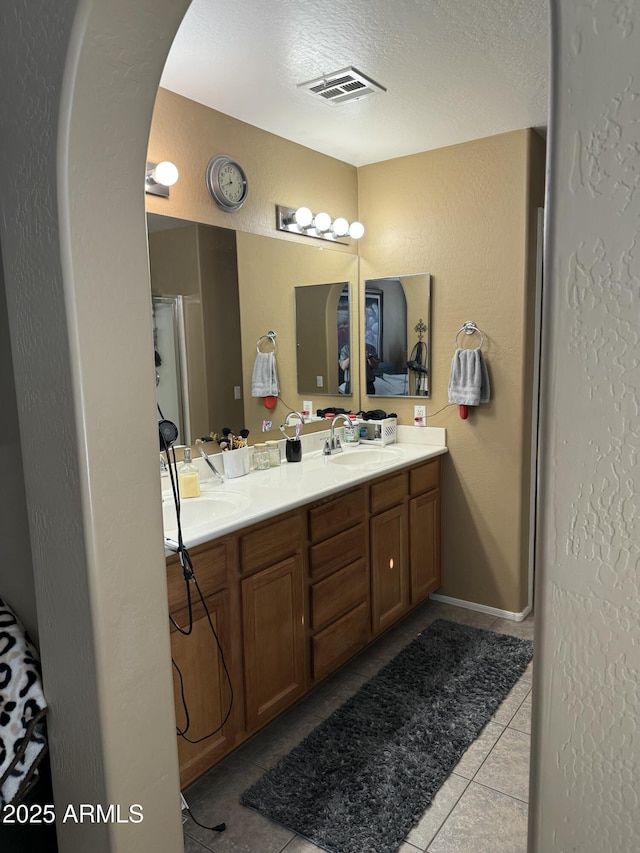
240,501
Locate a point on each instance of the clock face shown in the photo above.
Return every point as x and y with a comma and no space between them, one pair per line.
227,183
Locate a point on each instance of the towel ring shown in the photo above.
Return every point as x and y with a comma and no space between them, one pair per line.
271,337
469,328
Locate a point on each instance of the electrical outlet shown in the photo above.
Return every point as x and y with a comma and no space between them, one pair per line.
420,415
237,393
320,381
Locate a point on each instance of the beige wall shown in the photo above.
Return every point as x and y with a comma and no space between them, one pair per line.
463,216
279,172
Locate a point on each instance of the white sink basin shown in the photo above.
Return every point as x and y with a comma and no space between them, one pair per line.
199,514
367,458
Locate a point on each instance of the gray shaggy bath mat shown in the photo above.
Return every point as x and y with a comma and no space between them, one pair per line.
363,778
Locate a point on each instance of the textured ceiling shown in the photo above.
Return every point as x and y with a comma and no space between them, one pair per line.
454,70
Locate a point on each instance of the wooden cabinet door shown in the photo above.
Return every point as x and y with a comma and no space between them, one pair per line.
199,676
389,567
424,533
273,630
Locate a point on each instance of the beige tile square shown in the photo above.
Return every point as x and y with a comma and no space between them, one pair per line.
278,738
368,663
475,618
425,830
522,718
193,846
217,777
247,831
483,821
523,629
511,704
506,768
472,760
527,675
328,698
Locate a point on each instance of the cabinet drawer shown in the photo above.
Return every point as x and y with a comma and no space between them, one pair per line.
338,593
270,543
425,477
209,566
337,552
389,492
342,639
336,515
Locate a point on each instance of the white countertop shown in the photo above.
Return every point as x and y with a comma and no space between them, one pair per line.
226,507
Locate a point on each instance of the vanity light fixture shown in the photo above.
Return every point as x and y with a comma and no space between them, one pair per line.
302,221
340,227
159,177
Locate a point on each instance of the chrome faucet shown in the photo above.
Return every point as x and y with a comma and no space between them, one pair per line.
295,415
332,444
286,424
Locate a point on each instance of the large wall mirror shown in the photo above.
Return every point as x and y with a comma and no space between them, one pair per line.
228,289
323,324
396,326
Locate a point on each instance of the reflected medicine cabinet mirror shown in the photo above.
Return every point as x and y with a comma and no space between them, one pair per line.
323,320
396,330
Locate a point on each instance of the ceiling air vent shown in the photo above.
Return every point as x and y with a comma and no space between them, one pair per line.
348,84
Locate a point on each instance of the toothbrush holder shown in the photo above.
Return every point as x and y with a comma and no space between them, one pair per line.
293,449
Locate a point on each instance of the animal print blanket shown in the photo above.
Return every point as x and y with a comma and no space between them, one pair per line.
23,742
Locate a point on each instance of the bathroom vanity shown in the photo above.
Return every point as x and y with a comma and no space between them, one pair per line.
347,549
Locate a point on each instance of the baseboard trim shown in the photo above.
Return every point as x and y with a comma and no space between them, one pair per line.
483,608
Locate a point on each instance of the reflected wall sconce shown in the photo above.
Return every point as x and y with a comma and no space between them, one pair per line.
159,177
300,220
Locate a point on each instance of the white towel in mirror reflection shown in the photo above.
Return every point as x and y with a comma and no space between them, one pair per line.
264,382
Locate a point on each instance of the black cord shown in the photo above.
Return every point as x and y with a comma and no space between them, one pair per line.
183,733
286,404
190,578
220,827
439,410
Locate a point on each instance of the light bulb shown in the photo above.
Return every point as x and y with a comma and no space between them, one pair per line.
165,173
340,227
322,222
356,230
303,217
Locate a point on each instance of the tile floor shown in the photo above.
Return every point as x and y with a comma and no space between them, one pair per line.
481,808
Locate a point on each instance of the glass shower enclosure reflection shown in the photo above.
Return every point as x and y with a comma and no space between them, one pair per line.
171,363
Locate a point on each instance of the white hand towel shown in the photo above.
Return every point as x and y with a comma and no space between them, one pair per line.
469,379
265,379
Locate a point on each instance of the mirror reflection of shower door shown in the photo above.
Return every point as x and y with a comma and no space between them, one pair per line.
171,364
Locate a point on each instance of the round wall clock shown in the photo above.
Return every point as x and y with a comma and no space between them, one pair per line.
227,183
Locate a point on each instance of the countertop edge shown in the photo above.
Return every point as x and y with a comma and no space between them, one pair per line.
285,501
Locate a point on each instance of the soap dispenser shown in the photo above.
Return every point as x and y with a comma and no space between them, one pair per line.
188,477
